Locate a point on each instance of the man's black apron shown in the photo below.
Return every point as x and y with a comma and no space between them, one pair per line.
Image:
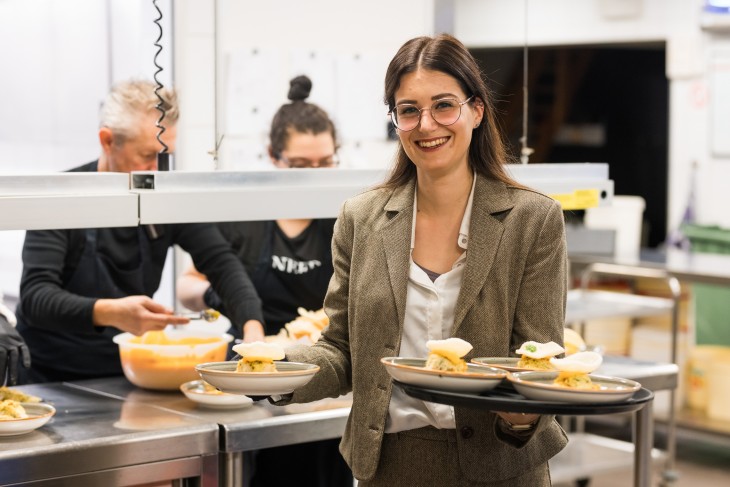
61,356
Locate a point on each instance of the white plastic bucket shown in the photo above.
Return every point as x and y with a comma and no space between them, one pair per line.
625,216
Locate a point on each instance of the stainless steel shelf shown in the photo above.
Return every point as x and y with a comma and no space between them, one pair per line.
179,197
587,455
79,200
583,304
67,200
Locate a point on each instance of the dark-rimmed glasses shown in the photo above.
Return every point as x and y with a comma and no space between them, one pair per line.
302,162
445,111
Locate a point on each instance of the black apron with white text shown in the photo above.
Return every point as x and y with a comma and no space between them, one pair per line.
62,355
292,273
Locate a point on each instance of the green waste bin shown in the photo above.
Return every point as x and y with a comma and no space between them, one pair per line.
712,303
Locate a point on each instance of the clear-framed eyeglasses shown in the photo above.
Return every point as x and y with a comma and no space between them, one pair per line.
303,162
445,111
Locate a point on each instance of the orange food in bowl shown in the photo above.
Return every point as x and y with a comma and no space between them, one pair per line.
165,360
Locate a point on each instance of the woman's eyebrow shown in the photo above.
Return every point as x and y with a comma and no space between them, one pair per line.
434,97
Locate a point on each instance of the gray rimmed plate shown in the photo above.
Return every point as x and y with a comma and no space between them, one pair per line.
39,413
288,377
477,378
539,386
506,363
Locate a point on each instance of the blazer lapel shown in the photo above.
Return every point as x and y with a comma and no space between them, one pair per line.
485,233
396,237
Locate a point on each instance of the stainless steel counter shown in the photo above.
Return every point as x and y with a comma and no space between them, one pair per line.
99,440
685,266
109,425
261,425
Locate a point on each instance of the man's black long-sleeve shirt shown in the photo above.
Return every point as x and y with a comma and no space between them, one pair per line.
50,258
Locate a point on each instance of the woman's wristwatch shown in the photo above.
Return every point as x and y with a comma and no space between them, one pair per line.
520,427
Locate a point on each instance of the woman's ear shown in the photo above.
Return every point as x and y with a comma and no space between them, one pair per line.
479,111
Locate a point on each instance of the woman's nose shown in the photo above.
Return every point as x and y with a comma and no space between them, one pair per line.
427,122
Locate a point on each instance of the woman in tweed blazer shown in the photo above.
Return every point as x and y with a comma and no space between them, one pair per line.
450,245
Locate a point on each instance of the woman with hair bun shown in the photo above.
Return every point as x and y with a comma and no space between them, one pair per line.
290,264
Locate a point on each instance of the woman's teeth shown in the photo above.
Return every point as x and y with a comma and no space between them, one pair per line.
432,143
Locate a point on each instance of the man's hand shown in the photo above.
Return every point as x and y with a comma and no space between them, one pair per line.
12,348
135,314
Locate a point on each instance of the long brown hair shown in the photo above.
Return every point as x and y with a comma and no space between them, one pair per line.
446,54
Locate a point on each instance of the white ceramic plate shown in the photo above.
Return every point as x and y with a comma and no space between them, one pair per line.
38,415
539,386
288,377
196,391
506,363
477,378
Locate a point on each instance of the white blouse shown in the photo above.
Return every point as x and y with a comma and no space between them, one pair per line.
429,316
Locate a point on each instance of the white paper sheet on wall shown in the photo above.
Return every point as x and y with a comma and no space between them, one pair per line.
253,92
720,103
319,66
361,113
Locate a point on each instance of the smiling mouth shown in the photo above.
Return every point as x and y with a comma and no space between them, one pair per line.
432,143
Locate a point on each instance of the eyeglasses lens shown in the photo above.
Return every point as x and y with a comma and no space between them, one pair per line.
444,112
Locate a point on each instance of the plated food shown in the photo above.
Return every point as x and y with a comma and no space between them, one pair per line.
16,395
536,355
288,377
540,386
574,370
447,354
476,378
306,328
258,356
17,418
572,341
206,395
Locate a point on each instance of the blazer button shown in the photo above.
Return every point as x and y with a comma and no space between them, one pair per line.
467,432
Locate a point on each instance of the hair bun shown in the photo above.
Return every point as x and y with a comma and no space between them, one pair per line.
299,88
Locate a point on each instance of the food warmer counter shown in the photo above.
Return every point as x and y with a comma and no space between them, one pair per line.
95,439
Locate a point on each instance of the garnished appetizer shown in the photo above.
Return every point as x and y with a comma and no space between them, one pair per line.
573,341
536,355
16,395
10,409
574,370
447,354
258,356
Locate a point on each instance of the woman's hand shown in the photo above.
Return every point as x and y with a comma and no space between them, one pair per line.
518,418
134,314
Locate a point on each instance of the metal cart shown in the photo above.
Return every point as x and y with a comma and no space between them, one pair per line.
584,304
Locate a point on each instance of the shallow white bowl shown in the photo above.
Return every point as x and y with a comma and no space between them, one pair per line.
288,377
539,386
477,378
196,391
38,414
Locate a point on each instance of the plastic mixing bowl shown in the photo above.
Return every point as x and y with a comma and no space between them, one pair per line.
165,360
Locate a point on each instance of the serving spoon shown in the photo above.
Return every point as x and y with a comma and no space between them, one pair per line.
208,315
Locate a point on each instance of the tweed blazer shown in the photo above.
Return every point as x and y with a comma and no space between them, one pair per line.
513,290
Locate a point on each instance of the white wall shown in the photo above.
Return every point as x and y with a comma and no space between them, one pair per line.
690,51
59,58
284,33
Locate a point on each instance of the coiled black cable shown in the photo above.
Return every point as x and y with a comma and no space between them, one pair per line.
163,157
